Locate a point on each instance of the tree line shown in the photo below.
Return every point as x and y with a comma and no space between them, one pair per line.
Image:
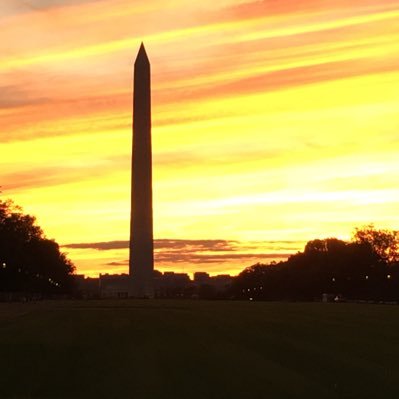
30,263
366,268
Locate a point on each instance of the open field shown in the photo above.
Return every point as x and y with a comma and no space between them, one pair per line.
196,349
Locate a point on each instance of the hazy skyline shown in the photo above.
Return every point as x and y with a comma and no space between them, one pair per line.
274,122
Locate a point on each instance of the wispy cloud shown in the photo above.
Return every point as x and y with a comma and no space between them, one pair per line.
53,175
272,119
13,7
176,259
14,96
100,246
180,251
161,244
193,258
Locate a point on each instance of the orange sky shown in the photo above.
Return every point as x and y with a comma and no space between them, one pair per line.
274,122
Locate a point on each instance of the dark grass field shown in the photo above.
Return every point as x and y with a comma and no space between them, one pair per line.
195,349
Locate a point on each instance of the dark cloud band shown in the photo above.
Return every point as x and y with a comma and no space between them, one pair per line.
197,251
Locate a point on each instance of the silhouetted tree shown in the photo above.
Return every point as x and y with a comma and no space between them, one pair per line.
29,262
385,243
362,269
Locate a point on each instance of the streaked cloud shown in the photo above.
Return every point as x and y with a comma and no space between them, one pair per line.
13,8
272,121
189,255
162,244
13,96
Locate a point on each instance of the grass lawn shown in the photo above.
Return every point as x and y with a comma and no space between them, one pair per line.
198,349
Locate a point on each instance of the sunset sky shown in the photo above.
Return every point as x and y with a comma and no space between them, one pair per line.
274,122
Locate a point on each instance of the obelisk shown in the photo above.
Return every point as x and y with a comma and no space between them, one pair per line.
141,262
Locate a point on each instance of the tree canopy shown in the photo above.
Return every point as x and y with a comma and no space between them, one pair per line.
385,243
30,262
365,268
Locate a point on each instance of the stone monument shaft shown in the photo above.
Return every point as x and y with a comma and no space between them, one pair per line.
141,262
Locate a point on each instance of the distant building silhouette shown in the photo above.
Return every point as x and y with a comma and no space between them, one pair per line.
201,278
166,285
114,285
88,287
221,282
141,260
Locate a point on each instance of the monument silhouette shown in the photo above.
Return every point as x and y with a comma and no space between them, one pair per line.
141,257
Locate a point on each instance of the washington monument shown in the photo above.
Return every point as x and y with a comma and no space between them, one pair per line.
141,262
